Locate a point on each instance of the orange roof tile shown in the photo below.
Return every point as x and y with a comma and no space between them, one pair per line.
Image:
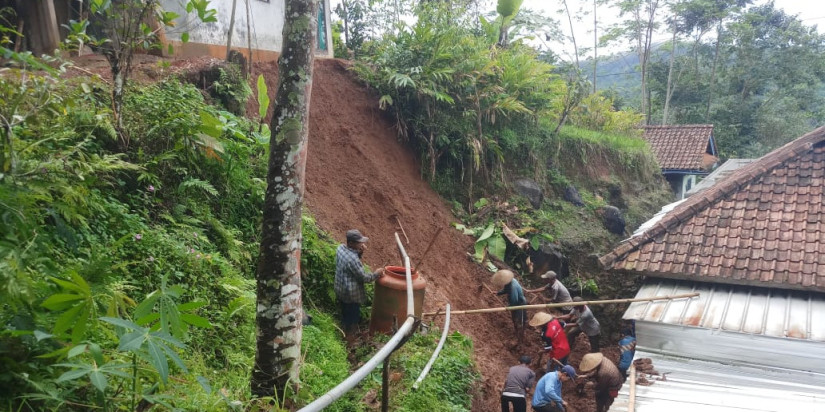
763,225
681,147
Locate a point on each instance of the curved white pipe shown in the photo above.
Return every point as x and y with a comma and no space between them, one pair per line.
437,350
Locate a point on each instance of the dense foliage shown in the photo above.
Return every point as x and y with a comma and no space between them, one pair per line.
127,273
753,71
477,109
109,256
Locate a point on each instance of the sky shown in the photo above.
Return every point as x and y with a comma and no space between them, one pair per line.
810,11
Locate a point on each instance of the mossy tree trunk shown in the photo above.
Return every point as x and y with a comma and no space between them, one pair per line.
279,312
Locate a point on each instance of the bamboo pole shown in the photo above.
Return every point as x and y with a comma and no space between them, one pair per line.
558,305
631,403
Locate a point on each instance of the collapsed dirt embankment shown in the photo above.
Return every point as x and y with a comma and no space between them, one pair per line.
360,176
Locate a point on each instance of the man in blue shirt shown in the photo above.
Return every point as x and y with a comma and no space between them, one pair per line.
350,278
628,348
547,397
505,279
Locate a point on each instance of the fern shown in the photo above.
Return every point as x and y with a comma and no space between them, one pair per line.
195,183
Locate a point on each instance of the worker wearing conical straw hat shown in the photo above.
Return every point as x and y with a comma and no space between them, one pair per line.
604,376
554,340
505,280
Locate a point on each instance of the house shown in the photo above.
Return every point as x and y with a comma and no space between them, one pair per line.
44,23
753,246
265,26
684,153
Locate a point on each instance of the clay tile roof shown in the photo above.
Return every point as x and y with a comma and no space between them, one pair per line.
762,225
681,147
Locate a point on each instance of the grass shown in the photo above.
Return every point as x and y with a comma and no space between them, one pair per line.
615,142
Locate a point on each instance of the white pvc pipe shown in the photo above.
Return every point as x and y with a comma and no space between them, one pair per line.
437,350
326,399
410,301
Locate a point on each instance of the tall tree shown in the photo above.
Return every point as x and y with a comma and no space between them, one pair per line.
278,276
639,28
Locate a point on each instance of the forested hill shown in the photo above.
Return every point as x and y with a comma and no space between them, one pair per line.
760,85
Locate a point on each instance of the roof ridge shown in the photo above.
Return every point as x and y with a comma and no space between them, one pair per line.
664,126
732,182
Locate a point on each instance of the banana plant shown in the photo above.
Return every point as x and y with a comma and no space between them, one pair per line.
507,10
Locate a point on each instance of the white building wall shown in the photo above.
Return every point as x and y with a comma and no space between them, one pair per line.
266,25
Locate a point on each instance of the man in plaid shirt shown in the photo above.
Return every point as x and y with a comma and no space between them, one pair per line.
350,278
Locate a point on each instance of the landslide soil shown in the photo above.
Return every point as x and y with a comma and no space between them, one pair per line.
360,176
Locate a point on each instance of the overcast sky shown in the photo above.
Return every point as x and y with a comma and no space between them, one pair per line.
811,12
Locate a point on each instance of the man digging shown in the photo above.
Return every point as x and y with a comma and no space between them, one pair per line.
554,290
553,338
604,376
582,321
505,279
548,391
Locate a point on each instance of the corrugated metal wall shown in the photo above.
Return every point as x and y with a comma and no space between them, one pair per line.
733,324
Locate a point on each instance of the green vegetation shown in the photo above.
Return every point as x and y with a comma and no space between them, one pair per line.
128,272
116,259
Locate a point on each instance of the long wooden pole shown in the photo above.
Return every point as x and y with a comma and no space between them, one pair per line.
558,305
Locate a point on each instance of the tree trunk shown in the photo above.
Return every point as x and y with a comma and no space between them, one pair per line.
231,29
249,35
595,45
572,34
346,23
670,87
431,154
278,276
713,71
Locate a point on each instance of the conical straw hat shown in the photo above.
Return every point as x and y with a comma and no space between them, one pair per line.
590,362
540,319
502,277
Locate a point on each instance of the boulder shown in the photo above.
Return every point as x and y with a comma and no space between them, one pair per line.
571,194
531,190
548,257
613,220
615,195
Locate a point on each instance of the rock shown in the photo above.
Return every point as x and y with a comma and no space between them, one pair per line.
613,220
306,319
548,257
614,192
571,194
531,190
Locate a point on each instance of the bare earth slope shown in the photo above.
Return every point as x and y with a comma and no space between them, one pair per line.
359,176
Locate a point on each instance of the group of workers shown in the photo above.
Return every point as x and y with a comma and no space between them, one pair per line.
558,332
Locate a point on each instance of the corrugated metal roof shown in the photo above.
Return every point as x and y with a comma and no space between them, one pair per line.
693,385
731,308
718,174
656,218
